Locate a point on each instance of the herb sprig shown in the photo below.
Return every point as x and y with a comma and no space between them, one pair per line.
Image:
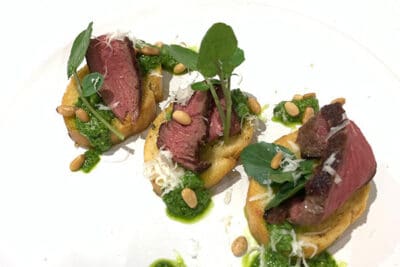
287,182
92,82
218,56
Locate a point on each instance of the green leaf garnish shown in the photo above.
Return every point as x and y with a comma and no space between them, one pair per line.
78,50
218,56
286,180
184,55
92,83
286,191
217,48
203,85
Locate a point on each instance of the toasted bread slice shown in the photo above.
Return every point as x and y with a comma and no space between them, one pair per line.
223,157
322,235
152,92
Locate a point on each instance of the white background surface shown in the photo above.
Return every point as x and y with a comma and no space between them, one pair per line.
48,220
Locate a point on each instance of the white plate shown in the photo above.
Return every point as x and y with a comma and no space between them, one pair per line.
110,217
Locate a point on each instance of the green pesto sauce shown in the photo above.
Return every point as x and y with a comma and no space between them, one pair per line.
281,115
193,220
176,206
240,103
92,157
147,62
169,263
98,134
280,235
274,259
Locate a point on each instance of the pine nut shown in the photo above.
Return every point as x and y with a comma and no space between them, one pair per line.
254,105
181,117
340,100
308,113
292,109
190,198
297,97
66,111
82,115
276,160
77,163
79,138
159,44
239,246
179,68
309,95
150,51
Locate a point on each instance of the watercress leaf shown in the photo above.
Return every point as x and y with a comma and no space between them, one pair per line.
78,50
217,47
183,55
286,191
236,59
203,85
256,160
92,83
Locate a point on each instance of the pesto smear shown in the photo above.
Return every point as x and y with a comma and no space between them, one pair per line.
169,263
280,251
281,115
177,207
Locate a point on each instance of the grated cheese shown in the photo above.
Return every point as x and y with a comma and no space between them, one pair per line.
180,90
327,167
336,129
267,196
164,171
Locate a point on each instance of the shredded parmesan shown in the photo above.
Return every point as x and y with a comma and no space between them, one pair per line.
336,129
164,171
297,249
267,196
155,73
327,167
337,179
180,90
294,147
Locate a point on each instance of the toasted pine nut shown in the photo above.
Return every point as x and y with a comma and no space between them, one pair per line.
254,105
340,100
239,246
308,113
276,160
77,163
82,115
181,117
297,97
159,44
190,198
179,68
292,109
309,95
66,111
79,138
150,51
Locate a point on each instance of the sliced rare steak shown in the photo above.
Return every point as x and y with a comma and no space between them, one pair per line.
184,141
216,128
346,164
115,60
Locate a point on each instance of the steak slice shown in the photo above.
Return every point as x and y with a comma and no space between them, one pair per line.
184,141
115,60
347,163
216,129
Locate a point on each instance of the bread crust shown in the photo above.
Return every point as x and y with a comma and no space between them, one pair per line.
223,157
152,92
322,235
